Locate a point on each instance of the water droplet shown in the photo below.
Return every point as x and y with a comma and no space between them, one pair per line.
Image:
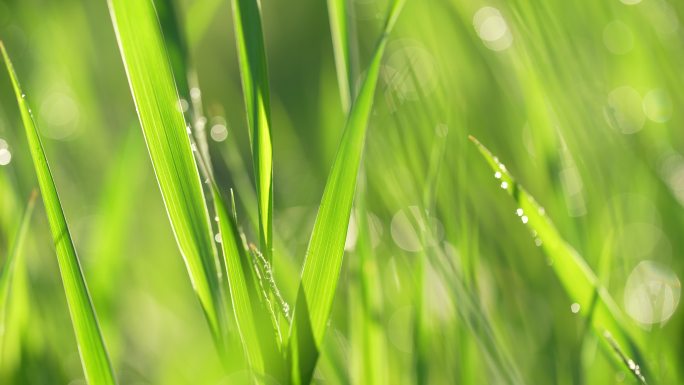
23,96
519,212
188,129
575,308
193,146
524,219
216,218
497,175
504,185
217,237
537,242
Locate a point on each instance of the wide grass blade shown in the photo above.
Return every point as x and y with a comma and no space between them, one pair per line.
94,359
252,58
9,262
154,92
576,276
339,29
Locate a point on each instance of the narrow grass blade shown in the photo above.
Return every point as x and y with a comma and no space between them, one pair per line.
243,292
578,279
8,265
154,92
326,247
339,27
94,359
252,58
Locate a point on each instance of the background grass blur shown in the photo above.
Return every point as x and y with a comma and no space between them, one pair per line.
441,283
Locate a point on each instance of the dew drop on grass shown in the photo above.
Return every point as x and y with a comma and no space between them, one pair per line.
195,93
504,185
519,212
497,175
217,237
524,219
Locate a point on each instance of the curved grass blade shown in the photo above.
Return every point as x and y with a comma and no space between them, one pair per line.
252,58
10,261
94,359
323,259
339,29
154,92
577,278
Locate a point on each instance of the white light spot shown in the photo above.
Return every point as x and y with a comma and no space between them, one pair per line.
519,212
625,112
411,70
575,308
217,237
59,115
618,38
651,293
218,132
658,106
406,228
497,175
492,28
183,105
504,185
524,219
5,156
195,93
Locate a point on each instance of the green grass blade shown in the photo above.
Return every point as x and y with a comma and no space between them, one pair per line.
242,291
10,261
339,26
326,247
576,276
152,85
252,58
94,359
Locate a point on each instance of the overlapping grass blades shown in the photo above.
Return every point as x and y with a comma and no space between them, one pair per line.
155,96
94,359
576,276
253,70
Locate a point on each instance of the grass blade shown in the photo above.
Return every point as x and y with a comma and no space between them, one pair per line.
243,292
154,92
339,29
575,275
252,58
94,359
10,261
326,247
323,259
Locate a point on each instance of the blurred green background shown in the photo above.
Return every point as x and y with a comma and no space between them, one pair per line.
579,99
